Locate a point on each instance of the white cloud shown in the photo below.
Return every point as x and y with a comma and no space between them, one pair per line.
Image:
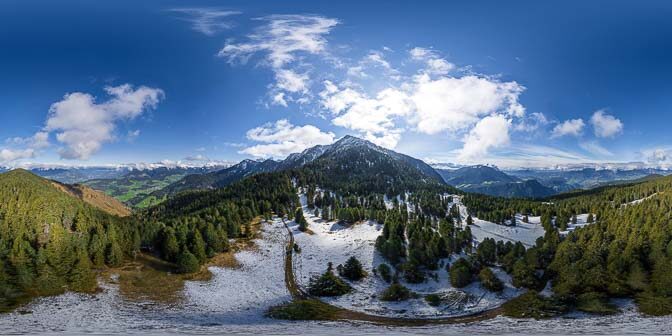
357,71
355,111
377,58
291,81
207,21
430,101
279,99
531,123
281,138
197,157
132,135
605,125
373,117
489,132
9,155
454,104
283,40
387,140
38,140
434,64
595,148
235,144
572,127
658,156
83,125
432,106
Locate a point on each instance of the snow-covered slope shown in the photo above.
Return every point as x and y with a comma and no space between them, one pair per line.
246,292
332,242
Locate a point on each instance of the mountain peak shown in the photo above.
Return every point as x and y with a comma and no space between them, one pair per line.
350,141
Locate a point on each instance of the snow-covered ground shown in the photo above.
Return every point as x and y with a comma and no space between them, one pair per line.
637,201
246,292
233,301
581,221
331,242
526,233
232,297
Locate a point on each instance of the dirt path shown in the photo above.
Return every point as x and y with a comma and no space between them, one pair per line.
343,314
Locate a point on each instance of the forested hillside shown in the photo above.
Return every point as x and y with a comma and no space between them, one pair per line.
50,241
625,252
194,226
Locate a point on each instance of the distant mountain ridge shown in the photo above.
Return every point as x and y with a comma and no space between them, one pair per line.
492,181
348,152
586,178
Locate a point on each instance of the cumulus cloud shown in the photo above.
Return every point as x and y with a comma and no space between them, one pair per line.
282,40
373,117
39,140
605,125
281,138
82,125
572,127
489,132
431,106
387,140
432,100
8,155
453,104
207,21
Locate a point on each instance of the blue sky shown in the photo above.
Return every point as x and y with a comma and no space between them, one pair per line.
526,83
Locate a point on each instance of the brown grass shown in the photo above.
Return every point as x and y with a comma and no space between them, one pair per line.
95,198
148,278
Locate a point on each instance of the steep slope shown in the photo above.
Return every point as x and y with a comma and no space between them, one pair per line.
296,160
355,165
628,252
95,198
50,240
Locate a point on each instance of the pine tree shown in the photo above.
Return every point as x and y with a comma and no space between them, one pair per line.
187,262
299,219
352,269
82,278
197,247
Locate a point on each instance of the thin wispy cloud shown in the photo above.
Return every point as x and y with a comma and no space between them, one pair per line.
282,40
595,148
207,21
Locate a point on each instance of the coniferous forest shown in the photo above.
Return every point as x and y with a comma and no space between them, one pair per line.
51,242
